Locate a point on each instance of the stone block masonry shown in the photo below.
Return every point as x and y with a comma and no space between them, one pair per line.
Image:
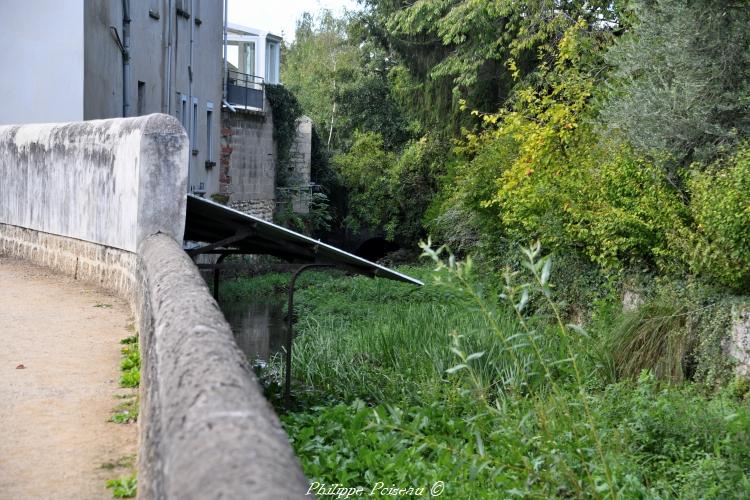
248,162
247,170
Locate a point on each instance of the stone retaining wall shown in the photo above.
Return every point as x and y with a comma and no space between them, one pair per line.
107,267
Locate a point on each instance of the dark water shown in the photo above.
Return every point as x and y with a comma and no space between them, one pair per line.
258,325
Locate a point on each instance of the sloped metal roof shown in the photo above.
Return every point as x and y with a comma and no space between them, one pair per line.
212,223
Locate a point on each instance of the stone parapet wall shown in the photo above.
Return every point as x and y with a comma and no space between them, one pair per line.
207,431
110,182
104,201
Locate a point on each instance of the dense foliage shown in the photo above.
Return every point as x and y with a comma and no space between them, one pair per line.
614,134
286,109
444,383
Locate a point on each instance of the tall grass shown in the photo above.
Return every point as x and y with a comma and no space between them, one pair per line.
388,351
654,337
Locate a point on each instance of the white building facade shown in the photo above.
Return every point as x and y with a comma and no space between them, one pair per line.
82,60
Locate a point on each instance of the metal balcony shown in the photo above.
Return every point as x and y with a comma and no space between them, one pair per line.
245,91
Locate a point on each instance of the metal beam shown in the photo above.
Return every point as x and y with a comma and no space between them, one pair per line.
241,235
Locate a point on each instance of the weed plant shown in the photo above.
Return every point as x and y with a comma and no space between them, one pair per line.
124,487
130,363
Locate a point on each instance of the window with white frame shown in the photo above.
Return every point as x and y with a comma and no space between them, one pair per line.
194,131
272,61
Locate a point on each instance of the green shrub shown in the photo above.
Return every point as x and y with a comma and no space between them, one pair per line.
624,211
390,192
720,206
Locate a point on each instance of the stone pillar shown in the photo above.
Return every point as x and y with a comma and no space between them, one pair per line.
737,346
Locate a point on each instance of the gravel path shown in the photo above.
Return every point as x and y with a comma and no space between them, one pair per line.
59,374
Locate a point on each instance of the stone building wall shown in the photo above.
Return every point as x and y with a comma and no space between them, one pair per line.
247,167
247,175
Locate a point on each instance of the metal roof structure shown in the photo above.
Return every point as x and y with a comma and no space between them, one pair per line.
223,230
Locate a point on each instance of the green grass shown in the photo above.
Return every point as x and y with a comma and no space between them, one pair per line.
379,399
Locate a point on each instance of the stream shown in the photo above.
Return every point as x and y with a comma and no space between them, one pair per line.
258,326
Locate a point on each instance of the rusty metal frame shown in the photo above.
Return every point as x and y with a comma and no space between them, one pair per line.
290,329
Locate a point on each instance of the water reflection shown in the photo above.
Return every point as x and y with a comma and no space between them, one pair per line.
258,325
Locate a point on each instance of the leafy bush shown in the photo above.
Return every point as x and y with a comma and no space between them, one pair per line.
720,245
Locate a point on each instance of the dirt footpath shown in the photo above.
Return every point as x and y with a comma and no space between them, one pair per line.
59,375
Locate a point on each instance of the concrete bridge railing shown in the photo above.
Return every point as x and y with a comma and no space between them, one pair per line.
104,201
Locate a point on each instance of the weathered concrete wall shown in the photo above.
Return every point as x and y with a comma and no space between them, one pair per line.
109,182
301,151
206,429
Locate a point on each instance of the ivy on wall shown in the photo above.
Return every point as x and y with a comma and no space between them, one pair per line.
286,109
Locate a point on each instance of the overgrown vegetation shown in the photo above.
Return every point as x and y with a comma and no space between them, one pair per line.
286,110
499,396
614,134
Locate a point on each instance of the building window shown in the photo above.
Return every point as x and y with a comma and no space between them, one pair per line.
249,58
194,131
272,62
141,107
209,137
183,111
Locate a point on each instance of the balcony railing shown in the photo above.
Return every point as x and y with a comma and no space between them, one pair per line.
247,91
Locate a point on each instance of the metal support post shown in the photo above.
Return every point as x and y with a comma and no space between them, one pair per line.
290,331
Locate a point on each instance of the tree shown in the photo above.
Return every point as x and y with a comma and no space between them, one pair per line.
476,50
681,79
321,59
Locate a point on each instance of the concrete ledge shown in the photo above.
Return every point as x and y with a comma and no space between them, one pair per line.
206,429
